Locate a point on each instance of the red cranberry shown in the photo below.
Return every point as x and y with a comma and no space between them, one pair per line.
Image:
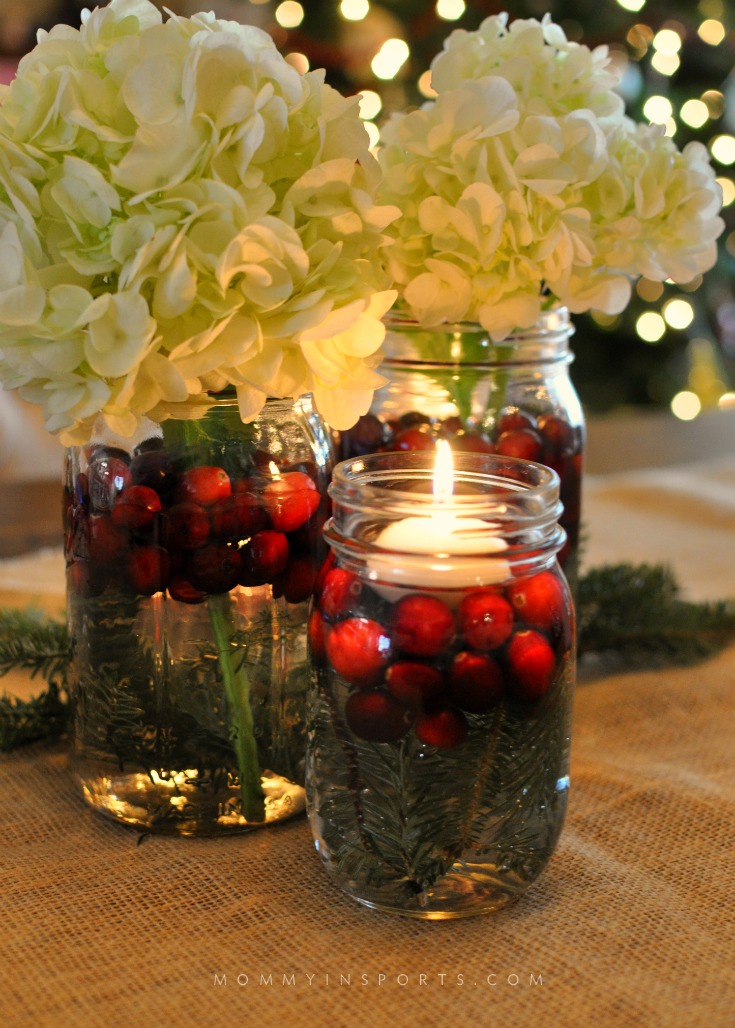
376,717
367,436
540,601
181,589
485,619
340,591
520,442
296,583
263,459
317,632
107,475
185,526
414,439
107,544
532,663
472,442
327,565
81,490
424,626
155,469
444,729
512,418
475,682
146,569
86,578
214,568
203,485
237,517
136,508
359,650
414,685
451,426
264,557
290,500
412,418
558,435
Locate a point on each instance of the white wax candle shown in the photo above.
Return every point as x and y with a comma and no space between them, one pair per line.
439,536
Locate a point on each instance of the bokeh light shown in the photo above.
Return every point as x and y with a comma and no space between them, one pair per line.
667,41
354,10
686,405
728,190
425,87
389,60
298,61
650,327
665,64
370,104
711,31
694,113
289,14
658,109
678,313
723,149
450,10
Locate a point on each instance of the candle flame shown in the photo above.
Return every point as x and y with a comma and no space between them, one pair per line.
443,471
273,468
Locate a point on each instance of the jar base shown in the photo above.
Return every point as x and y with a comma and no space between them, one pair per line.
471,891
185,802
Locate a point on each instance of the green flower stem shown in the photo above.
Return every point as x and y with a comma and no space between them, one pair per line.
237,687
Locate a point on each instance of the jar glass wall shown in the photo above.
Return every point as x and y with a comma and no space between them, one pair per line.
443,640
514,398
191,553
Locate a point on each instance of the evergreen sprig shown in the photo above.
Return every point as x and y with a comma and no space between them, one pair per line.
631,614
634,613
30,641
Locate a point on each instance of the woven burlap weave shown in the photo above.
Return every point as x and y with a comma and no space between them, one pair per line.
632,924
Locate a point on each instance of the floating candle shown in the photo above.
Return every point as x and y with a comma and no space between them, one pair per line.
441,535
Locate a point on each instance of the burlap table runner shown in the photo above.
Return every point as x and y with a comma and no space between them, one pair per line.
633,923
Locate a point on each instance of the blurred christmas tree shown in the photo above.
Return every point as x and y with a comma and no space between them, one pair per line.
672,346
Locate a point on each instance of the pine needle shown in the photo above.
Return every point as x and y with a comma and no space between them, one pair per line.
634,613
626,613
31,642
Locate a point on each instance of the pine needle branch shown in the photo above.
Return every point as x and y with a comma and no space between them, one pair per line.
627,613
31,642
634,613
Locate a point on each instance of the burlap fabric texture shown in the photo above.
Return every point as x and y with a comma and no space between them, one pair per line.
631,924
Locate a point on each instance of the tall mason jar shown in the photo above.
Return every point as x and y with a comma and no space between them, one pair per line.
514,398
443,639
191,555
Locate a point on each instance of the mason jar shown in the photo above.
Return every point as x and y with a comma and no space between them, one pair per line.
514,398
443,641
191,555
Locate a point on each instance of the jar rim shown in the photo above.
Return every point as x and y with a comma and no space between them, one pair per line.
365,481
508,498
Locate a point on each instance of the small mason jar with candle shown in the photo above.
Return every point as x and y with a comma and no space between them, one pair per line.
443,641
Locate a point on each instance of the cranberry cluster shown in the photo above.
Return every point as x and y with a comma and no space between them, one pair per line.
547,438
419,663
150,522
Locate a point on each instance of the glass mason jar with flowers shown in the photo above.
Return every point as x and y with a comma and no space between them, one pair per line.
184,216
524,192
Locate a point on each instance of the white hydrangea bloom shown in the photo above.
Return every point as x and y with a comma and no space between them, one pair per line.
523,182
181,210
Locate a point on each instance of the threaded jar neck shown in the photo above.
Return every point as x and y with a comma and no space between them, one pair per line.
510,507
468,343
